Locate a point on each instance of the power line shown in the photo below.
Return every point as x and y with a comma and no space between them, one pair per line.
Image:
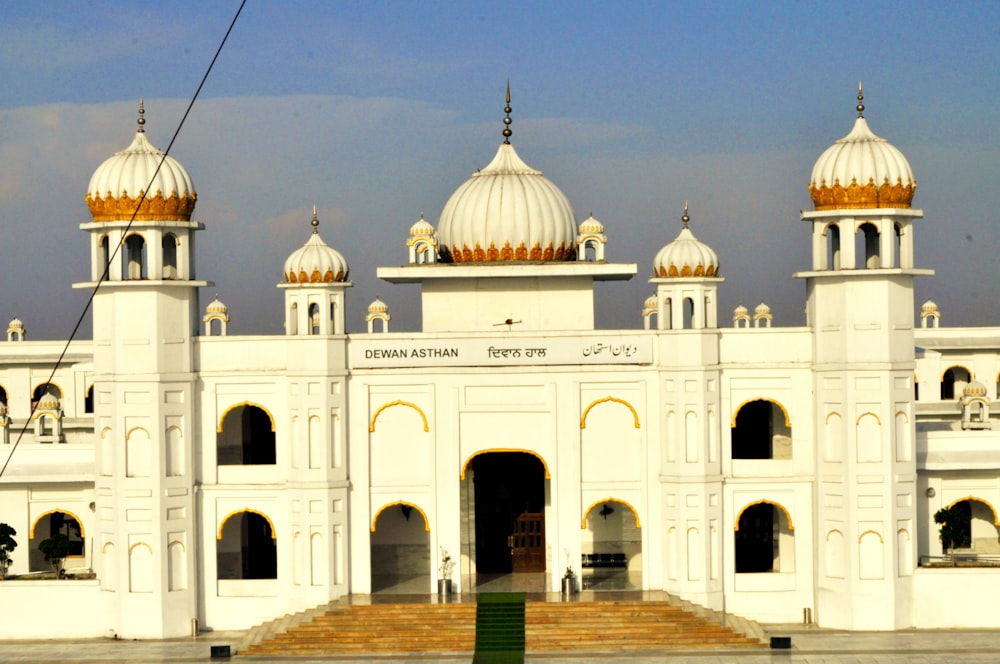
118,247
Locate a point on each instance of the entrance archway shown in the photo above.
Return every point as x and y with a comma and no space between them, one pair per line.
504,499
400,550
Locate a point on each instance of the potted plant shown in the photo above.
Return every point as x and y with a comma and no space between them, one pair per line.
569,577
7,545
444,573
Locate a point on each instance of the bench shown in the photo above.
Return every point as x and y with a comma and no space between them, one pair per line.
604,561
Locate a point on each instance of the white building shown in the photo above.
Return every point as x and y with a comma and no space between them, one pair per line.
762,470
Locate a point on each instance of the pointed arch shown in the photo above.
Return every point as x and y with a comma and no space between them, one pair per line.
609,499
137,545
233,407
538,456
427,523
831,532
996,521
871,532
791,525
222,524
866,414
398,402
635,415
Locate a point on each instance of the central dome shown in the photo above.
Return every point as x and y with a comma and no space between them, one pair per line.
507,211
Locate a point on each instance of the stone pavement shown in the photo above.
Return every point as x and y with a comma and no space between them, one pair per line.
809,646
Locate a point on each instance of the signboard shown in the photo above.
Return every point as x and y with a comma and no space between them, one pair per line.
498,352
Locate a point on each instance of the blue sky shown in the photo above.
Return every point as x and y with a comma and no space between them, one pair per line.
376,112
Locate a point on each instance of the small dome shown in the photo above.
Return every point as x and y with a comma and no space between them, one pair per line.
378,307
929,307
422,227
686,256
862,170
315,262
650,302
216,307
15,324
591,225
48,401
762,309
118,184
740,311
507,211
974,389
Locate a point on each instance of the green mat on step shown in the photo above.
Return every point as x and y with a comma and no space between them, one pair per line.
499,628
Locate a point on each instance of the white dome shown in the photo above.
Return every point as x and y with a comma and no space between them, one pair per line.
118,184
929,307
762,309
315,262
507,212
974,389
591,225
48,402
862,170
216,306
422,228
739,311
686,256
378,307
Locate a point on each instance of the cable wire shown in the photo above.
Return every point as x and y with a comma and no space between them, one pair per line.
118,247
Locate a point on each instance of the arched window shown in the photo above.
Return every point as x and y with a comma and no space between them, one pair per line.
832,247
48,525
293,318
246,548
88,400
246,437
668,314
954,381
897,246
765,541
688,313
314,318
43,389
3,396
135,258
104,255
761,430
170,257
869,247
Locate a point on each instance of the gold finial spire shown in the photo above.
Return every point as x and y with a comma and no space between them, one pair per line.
142,120
861,98
685,218
506,121
315,221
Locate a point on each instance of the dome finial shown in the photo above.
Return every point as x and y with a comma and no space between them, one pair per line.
142,120
315,221
685,218
861,99
506,121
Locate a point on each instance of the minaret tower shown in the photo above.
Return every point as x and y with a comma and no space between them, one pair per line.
144,317
860,308
686,277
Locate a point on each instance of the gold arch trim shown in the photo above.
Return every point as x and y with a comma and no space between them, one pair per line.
586,411
222,524
781,507
996,521
398,402
835,530
427,523
865,414
131,431
238,405
905,532
832,413
873,532
83,533
177,543
609,499
788,420
62,394
104,549
137,545
958,366
834,225
906,418
465,466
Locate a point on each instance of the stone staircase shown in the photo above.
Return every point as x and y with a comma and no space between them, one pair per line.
579,626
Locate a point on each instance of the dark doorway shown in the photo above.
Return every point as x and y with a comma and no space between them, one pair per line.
509,499
755,543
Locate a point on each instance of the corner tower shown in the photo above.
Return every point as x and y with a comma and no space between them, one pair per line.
144,318
860,308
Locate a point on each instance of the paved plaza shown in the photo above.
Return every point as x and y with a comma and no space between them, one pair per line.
809,645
